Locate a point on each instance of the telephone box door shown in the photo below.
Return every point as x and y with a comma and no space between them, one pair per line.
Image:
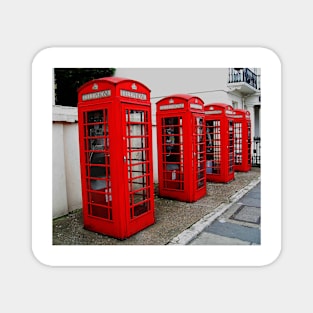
198,151
172,153
230,169
219,142
238,145
249,160
96,163
242,144
137,164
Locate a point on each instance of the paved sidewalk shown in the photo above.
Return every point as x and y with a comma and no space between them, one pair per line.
235,224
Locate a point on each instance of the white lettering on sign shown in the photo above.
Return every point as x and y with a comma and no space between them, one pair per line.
213,112
238,116
96,95
172,106
195,106
229,112
134,95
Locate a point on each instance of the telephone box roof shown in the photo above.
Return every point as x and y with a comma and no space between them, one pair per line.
112,80
224,105
244,113
182,96
240,111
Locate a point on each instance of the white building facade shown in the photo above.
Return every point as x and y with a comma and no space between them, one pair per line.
240,88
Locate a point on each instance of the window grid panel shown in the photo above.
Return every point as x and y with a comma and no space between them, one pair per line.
97,159
249,143
200,151
213,147
238,143
137,139
231,147
172,153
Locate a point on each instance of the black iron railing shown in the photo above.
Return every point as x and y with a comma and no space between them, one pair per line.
243,75
256,152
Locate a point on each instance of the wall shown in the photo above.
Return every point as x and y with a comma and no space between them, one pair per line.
208,84
66,185
72,166
59,192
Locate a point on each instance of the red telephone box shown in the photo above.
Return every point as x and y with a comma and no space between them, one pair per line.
181,147
114,116
242,145
219,130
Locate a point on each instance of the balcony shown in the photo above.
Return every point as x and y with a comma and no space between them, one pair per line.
243,80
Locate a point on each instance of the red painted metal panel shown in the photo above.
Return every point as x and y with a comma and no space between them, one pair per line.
242,145
181,156
219,142
115,138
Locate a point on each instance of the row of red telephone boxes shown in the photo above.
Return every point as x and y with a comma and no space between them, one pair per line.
196,143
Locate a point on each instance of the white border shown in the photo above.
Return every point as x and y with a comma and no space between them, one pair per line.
193,57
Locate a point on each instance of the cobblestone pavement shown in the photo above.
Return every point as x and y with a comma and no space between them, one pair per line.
172,217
